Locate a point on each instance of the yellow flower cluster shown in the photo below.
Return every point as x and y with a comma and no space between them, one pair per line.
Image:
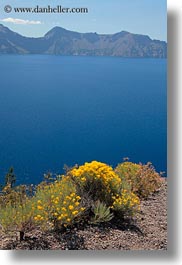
127,200
65,209
38,217
57,203
39,210
99,172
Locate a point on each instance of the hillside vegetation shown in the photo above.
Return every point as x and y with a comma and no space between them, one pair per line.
91,194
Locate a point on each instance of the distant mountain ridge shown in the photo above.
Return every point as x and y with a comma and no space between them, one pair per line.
60,41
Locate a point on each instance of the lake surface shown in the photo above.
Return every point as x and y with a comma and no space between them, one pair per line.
65,110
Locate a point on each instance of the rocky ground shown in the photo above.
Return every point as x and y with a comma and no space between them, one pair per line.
147,232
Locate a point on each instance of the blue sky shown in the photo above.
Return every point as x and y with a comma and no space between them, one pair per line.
147,17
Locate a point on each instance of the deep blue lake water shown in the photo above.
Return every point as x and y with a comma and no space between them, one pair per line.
64,110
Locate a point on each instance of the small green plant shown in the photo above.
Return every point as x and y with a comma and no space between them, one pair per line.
101,212
17,218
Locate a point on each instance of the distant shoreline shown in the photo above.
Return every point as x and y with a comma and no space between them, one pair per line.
60,41
84,56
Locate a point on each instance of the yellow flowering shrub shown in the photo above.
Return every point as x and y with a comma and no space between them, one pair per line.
142,179
57,204
54,205
97,179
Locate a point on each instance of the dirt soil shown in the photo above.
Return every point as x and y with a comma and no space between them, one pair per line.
147,232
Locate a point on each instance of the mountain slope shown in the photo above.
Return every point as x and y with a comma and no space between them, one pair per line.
64,42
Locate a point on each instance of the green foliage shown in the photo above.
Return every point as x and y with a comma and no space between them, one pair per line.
101,212
143,180
15,205
16,217
16,195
